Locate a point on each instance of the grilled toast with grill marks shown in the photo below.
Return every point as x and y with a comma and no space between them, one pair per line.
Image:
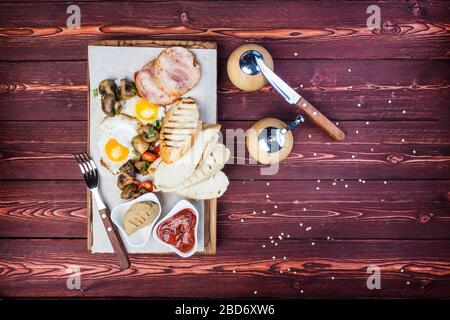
179,129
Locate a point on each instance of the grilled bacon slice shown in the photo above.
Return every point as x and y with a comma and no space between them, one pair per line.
173,73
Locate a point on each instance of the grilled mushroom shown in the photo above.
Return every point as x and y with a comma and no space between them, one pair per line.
110,105
132,191
142,167
108,86
124,180
139,144
128,169
128,191
149,134
127,89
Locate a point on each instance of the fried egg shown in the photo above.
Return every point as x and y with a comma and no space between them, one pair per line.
114,141
143,110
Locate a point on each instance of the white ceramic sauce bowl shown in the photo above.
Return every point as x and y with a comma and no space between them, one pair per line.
181,205
142,236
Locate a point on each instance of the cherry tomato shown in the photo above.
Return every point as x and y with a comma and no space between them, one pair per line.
156,150
149,156
147,185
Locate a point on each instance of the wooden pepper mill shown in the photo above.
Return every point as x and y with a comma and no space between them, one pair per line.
249,68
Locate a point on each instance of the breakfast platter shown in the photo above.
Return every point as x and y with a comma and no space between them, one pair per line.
154,136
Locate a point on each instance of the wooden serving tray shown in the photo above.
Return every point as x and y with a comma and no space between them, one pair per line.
210,206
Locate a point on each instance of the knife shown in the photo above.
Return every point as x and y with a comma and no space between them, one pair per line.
291,96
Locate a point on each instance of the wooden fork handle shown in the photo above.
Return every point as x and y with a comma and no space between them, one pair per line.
321,120
115,239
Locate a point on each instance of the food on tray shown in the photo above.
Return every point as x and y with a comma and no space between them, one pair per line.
114,141
170,175
173,73
179,230
143,110
151,132
179,129
214,187
139,215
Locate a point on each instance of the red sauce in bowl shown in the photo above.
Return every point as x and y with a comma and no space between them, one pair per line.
179,230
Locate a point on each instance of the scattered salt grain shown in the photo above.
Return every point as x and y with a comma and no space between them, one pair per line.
349,70
346,186
404,111
275,206
389,101
313,243
255,292
317,188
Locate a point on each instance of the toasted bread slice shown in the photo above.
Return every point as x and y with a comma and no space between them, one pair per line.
171,175
212,188
179,129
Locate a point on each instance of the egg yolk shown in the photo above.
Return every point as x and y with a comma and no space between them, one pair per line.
115,151
146,110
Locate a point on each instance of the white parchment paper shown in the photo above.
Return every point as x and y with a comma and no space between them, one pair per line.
122,62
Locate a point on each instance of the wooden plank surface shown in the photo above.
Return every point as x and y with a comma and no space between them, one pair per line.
37,33
299,270
419,91
380,197
402,150
370,210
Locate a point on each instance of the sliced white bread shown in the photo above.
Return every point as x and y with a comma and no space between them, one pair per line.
213,160
212,188
171,175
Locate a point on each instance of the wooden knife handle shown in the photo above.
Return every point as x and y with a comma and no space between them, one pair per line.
321,120
116,240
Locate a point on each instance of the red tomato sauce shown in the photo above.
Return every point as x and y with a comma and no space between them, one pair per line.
179,230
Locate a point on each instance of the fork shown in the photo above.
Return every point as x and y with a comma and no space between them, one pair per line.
90,175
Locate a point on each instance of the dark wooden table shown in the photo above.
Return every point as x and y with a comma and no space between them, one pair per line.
381,197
